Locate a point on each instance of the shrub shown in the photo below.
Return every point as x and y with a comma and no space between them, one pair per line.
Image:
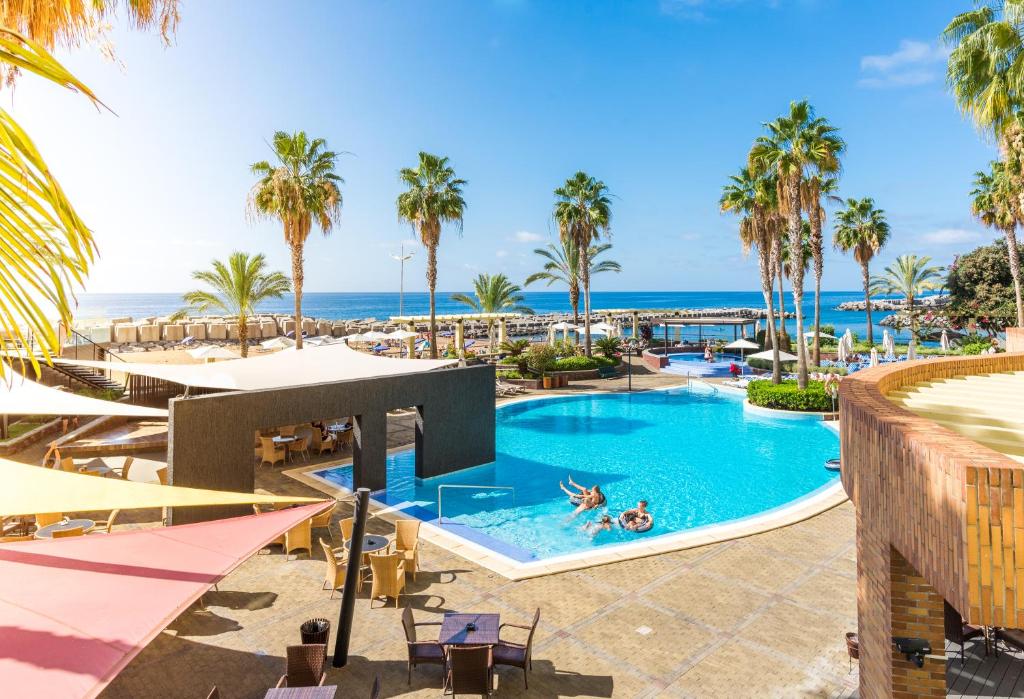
609,346
786,396
576,364
540,358
567,348
766,365
514,348
511,374
974,347
608,361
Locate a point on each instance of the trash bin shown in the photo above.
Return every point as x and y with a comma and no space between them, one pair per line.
315,631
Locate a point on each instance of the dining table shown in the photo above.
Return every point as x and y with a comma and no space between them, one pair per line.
283,441
47,532
469,629
328,691
371,543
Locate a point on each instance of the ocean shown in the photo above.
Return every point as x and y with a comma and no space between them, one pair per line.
382,305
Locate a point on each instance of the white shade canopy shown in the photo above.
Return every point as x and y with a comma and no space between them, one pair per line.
401,335
212,352
742,344
278,343
767,354
564,326
602,329
22,396
336,362
375,335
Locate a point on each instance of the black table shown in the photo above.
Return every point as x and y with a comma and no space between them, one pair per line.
371,543
454,632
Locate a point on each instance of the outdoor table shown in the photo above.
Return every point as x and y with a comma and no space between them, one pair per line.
98,466
47,532
339,427
325,692
454,632
371,543
284,441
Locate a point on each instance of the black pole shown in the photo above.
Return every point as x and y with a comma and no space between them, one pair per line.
629,367
348,593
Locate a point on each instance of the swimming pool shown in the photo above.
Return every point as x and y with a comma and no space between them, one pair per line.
694,364
694,454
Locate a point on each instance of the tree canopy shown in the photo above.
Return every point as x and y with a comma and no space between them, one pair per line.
981,288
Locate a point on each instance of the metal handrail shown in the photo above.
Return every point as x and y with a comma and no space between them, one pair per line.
471,487
102,352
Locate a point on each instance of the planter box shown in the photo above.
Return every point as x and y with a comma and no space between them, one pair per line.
525,383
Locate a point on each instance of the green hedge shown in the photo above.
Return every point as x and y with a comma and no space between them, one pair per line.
582,363
786,396
509,375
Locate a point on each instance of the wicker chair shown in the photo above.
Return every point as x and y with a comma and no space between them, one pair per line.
66,533
286,431
336,569
420,652
305,666
345,526
68,464
104,526
15,537
272,454
300,446
48,518
407,539
323,520
388,576
127,467
470,669
519,655
320,445
299,537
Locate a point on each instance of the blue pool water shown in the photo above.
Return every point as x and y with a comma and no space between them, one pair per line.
694,364
692,453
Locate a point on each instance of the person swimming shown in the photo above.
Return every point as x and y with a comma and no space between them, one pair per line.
637,519
602,525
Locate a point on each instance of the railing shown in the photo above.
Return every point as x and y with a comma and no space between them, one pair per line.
99,352
441,488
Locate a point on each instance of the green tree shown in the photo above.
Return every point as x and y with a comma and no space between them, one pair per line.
816,190
754,199
562,265
860,228
433,198
910,277
799,142
494,293
981,289
995,202
583,212
301,189
237,288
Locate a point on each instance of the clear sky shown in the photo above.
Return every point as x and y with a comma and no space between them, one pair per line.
659,98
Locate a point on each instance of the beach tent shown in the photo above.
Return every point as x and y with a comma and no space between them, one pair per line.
26,489
278,343
767,354
211,353
313,365
75,611
22,396
742,345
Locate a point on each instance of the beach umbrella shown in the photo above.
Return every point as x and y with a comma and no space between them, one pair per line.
211,352
741,345
757,327
618,330
602,328
944,340
375,335
563,326
810,334
841,350
848,338
278,343
355,337
874,357
888,344
551,335
767,354
401,334
912,349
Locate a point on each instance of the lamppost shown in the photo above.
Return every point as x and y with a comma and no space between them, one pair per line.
402,257
630,345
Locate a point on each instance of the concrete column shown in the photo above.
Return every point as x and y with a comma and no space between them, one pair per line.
502,331
410,344
370,451
460,338
636,324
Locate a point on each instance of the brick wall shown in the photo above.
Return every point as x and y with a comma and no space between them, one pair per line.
951,508
917,611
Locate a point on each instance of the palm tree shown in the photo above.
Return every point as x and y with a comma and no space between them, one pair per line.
433,198
302,188
236,290
563,266
910,276
754,200
795,144
494,294
862,229
816,189
994,202
583,212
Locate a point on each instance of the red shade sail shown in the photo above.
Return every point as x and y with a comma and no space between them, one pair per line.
75,611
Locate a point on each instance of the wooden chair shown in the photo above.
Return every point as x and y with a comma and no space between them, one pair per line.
388,576
407,538
104,526
48,518
320,445
336,569
300,446
470,670
298,538
323,520
128,461
519,655
65,533
305,666
420,652
272,454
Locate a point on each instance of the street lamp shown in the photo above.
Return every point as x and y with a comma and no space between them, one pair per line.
402,257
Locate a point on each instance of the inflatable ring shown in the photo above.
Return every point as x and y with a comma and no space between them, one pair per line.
639,530
832,464
575,500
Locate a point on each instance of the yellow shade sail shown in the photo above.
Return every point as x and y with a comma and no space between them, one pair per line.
26,490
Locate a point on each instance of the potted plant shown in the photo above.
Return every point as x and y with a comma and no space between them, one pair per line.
539,360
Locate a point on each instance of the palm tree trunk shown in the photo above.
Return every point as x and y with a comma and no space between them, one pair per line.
1014,253
243,335
796,280
574,301
431,286
866,277
297,285
585,278
766,260
818,271
782,298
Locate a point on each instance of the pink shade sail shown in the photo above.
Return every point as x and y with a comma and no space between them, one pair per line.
75,611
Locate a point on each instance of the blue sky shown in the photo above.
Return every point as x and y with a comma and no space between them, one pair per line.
659,98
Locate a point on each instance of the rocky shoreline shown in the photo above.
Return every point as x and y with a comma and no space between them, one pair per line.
893,304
